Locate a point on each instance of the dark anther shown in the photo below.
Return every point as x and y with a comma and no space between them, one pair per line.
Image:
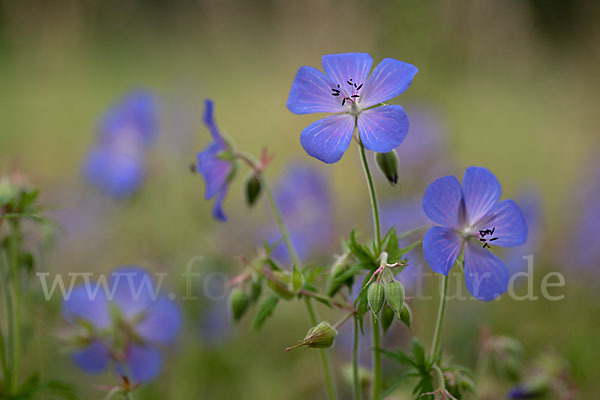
344,101
482,240
335,92
359,86
486,245
492,239
338,85
354,96
492,231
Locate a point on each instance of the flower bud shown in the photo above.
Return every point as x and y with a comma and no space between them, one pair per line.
321,336
341,266
387,317
406,315
394,295
279,282
388,165
375,297
239,302
253,189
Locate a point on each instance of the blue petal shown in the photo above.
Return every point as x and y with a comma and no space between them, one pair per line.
133,290
442,202
143,363
209,121
343,67
382,129
482,191
161,322
389,79
88,306
217,211
311,92
116,174
328,138
92,359
508,223
213,169
485,274
441,248
136,112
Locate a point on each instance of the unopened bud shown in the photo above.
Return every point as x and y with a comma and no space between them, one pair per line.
279,282
376,297
321,336
406,315
388,165
239,302
387,317
253,189
394,295
341,266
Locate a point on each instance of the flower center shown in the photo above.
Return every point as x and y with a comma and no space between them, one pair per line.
349,93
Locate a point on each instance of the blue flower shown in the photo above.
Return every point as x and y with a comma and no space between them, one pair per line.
472,220
348,92
307,207
530,204
116,163
121,322
213,165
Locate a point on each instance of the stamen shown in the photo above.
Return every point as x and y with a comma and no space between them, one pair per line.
487,232
346,96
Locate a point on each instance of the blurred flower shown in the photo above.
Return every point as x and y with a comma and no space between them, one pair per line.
472,220
530,204
305,201
116,163
347,91
213,164
121,322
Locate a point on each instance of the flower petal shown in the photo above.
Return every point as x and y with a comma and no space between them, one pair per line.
328,138
209,121
143,362
114,173
508,223
441,248
442,202
133,290
342,67
311,93
485,274
389,79
137,112
213,169
92,359
382,129
161,323
482,191
90,306
217,210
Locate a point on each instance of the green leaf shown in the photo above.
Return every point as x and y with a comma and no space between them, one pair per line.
296,279
396,383
264,311
400,357
361,252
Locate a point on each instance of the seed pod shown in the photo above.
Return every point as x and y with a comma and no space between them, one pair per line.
321,336
375,297
253,189
387,318
406,315
239,302
388,165
394,294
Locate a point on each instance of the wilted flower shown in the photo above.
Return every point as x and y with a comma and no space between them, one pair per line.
116,163
215,164
348,92
472,220
121,322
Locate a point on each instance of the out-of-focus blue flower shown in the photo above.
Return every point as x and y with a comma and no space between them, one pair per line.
213,165
530,204
121,323
472,220
584,252
116,163
305,201
348,92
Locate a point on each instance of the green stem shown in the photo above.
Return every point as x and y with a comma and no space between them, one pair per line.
374,205
16,337
5,352
438,326
296,261
128,396
375,330
355,377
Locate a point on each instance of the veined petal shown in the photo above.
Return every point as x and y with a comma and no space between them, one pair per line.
161,322
88,305
382,129
482,191
389,79
441,247
510,228
328,138
312,92
213,169
443,202
342,67
485,274
143,362
92,359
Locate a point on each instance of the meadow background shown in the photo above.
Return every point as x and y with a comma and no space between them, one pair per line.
512,85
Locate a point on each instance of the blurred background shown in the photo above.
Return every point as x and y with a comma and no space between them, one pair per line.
506,84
